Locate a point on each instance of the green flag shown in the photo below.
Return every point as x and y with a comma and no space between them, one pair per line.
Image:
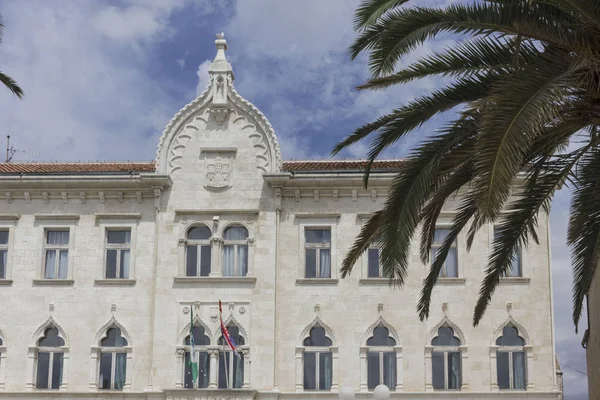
193,361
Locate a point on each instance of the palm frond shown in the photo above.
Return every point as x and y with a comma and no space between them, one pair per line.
368,233
369,11
11,85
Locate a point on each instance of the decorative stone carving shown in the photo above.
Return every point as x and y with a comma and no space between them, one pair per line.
335,195
82,197
45,197
27,197
63,195
219,168
186,310
8,197
242,310
101,196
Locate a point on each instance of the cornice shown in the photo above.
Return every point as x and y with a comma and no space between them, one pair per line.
62,182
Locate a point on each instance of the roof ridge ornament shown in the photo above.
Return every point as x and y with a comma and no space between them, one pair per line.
221,78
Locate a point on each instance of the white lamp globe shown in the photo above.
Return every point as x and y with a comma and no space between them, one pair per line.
381,392
346,393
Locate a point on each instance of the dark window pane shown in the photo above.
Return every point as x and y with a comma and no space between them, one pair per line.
43,369
224,369
113,338
199,233
502,367
51,338
318,236
310,370
119,236
454,370
3,262
440,235
437,370
374,263
510,337
325,371
238,371
120,370
519,370
111,263
205,260
105,370
381,337
324,263
373,378
389,370
3,237
445,337
203,369
57,364
235,233
124,267
191,261
188,381
317,337
311,263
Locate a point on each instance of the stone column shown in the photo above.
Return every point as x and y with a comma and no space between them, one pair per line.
246,383
179,381
31,356
65,375
399,368
334,369
212,379
216,251
428,366
494,369
464,367
128,369
364,372
250,271
529,353
2,366
94,368
299,369
181,264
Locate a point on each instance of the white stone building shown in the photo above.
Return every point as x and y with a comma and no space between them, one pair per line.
102,264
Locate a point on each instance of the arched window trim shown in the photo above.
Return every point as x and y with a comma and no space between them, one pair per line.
364,349
236,244
300,348
527,348
33,349
198,243
2,359
462,348
97,349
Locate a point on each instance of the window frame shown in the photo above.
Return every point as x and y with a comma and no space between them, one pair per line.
462,349
57,249
236,243
318,247
510,350
435,246
32,357
51,351
380,350
198,243
527,349
116,222
317,221
301,349
96,355
119,247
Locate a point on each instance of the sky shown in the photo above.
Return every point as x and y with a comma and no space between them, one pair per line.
103,78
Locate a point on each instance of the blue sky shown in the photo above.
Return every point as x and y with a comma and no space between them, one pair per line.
103,78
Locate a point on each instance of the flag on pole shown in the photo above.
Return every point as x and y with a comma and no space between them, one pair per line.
193,360
225,333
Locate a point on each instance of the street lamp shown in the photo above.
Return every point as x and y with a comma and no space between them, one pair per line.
381,392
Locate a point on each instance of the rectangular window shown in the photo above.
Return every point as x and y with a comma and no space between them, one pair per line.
118,253
450,266
374,266
516,268
511,370
203,370
3,254
318,252
113,368
318,371
231,375
56,254
446,370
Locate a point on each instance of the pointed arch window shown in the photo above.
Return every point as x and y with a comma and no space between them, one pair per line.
317,360
198,251
235,251
230,374
381,359
49,361
201,341
511,360
113,360
446,370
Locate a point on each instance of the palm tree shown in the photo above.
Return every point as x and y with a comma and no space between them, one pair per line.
524,82
7,80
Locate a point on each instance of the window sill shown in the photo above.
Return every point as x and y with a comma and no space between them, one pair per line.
6,282
374,281
317,281
214,279
53,282
515,280
450,281
114,282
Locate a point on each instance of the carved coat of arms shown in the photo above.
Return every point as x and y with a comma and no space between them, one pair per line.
218,173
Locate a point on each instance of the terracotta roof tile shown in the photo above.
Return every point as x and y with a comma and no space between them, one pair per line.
339,165
149,166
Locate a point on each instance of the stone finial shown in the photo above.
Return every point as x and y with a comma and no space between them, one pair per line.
113,308
444,308
51,308
197,305
380,308
317,308
231,305
509,306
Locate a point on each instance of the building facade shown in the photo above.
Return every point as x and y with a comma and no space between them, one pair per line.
106,269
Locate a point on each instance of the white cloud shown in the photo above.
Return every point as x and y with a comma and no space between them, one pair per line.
181,62
202,76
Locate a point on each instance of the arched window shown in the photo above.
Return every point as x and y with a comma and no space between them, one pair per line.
231,365
113,360
201,341
198,251
235,251
381,359
49,365
510,359
446,360
317,360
